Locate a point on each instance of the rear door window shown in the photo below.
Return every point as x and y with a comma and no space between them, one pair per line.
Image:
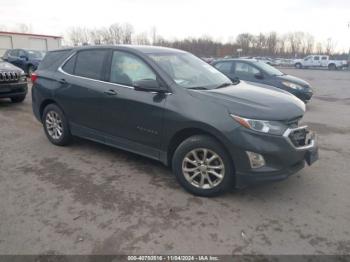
245,69
224,67
90,63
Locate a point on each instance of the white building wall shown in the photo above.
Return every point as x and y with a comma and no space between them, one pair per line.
53,44
41,43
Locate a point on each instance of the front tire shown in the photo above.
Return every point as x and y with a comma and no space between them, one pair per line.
203,167
56,125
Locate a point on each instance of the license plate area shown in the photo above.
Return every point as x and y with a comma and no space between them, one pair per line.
5,89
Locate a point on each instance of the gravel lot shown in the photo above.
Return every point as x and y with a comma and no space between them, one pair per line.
89,198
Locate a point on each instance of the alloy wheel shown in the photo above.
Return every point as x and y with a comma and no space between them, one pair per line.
203,168
54,125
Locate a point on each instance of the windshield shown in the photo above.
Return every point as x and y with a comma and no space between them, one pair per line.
188,71
35,54
269,69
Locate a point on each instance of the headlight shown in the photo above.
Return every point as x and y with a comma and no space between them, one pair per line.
292,85
23,75
269,127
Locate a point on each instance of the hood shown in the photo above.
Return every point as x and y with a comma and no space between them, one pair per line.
255,102
294,80
5,67
36,61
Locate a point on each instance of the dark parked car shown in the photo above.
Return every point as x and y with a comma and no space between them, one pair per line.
260,72
27,60
171,106
13,82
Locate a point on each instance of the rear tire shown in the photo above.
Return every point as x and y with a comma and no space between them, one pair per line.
298,66
203,167
332,67
18,99
56,125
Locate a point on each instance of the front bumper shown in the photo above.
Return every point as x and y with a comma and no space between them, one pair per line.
304,95
8,90
282,157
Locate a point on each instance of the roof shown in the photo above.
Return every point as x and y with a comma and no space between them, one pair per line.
141,48
28,34
237,59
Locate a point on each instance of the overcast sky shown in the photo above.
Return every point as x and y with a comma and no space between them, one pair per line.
221,19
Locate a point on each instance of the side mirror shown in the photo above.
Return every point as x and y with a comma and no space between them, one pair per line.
234,79
259,76
150,85
23,57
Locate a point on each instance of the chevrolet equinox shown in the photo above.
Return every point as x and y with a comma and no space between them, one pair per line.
171,106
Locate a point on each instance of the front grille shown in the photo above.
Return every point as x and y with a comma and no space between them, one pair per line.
9,77
301,137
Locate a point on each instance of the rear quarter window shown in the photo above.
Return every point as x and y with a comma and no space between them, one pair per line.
69,65
53,59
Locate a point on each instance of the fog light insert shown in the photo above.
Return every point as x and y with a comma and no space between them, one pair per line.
256,160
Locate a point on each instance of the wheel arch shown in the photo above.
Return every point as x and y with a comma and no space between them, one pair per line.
182,134
45,103
332,65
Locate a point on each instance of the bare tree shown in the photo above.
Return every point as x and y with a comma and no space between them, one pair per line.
281,45
294,41
259,43
319,48
154,35
271,43
142,39
291,44
310,42
245,41
116,33
330,45
127,31
106,37
74,36
95,36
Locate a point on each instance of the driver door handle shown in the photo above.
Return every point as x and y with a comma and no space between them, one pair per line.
62,81
111,92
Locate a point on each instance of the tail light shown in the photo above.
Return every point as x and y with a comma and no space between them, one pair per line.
34,77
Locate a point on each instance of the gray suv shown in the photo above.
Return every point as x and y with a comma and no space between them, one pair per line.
171,106
261,73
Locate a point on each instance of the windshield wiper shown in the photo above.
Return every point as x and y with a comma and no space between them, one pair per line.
198,88
224,85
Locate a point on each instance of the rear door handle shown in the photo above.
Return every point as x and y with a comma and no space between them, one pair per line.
62,81
110,92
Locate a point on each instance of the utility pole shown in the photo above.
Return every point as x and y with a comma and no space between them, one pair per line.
349,47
